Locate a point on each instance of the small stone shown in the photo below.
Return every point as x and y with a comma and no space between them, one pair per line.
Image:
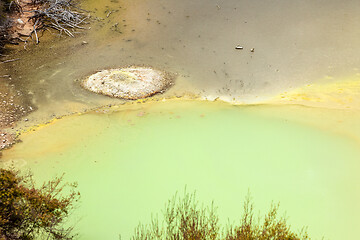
252,50
19,21
84,42
238,47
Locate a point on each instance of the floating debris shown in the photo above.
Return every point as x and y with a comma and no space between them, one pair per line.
130,83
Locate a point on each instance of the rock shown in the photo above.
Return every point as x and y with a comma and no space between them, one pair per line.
19,21
131,83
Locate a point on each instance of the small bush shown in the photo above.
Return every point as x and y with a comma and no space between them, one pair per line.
183,219
27,212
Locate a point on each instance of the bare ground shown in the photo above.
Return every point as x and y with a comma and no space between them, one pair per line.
21,25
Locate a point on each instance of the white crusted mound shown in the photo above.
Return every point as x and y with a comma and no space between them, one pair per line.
129,83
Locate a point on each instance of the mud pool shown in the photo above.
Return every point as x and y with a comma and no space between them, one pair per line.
296,43
299,144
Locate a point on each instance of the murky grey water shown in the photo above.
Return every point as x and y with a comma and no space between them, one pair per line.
295,43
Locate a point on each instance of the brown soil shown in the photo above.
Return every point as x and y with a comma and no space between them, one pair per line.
12,106
21,26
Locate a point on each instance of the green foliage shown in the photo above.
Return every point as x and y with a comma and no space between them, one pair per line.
27,212
272,227
183,219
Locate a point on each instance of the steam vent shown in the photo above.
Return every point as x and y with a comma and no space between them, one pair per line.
129,83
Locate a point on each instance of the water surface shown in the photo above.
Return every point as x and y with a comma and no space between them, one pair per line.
295,42
129,160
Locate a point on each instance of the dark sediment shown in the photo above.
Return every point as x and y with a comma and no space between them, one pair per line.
12,109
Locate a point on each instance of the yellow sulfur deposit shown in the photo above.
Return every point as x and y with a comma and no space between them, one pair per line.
342,94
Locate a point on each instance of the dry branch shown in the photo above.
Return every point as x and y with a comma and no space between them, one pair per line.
61,15
11,60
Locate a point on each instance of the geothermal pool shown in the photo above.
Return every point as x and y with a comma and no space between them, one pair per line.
130,159
302,148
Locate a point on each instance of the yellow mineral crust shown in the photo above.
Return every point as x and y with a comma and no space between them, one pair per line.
342,94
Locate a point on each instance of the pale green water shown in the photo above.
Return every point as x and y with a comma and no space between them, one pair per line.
129,163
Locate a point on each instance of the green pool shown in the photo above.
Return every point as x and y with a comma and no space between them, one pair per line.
130,159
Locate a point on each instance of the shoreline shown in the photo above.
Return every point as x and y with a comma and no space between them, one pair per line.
302,114
294,99
22,25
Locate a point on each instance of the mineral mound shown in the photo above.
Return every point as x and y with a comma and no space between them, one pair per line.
129,83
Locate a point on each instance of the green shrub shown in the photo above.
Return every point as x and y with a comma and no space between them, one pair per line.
27,212
183,219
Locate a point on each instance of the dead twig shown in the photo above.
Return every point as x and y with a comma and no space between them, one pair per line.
37,39
15,5
10,60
